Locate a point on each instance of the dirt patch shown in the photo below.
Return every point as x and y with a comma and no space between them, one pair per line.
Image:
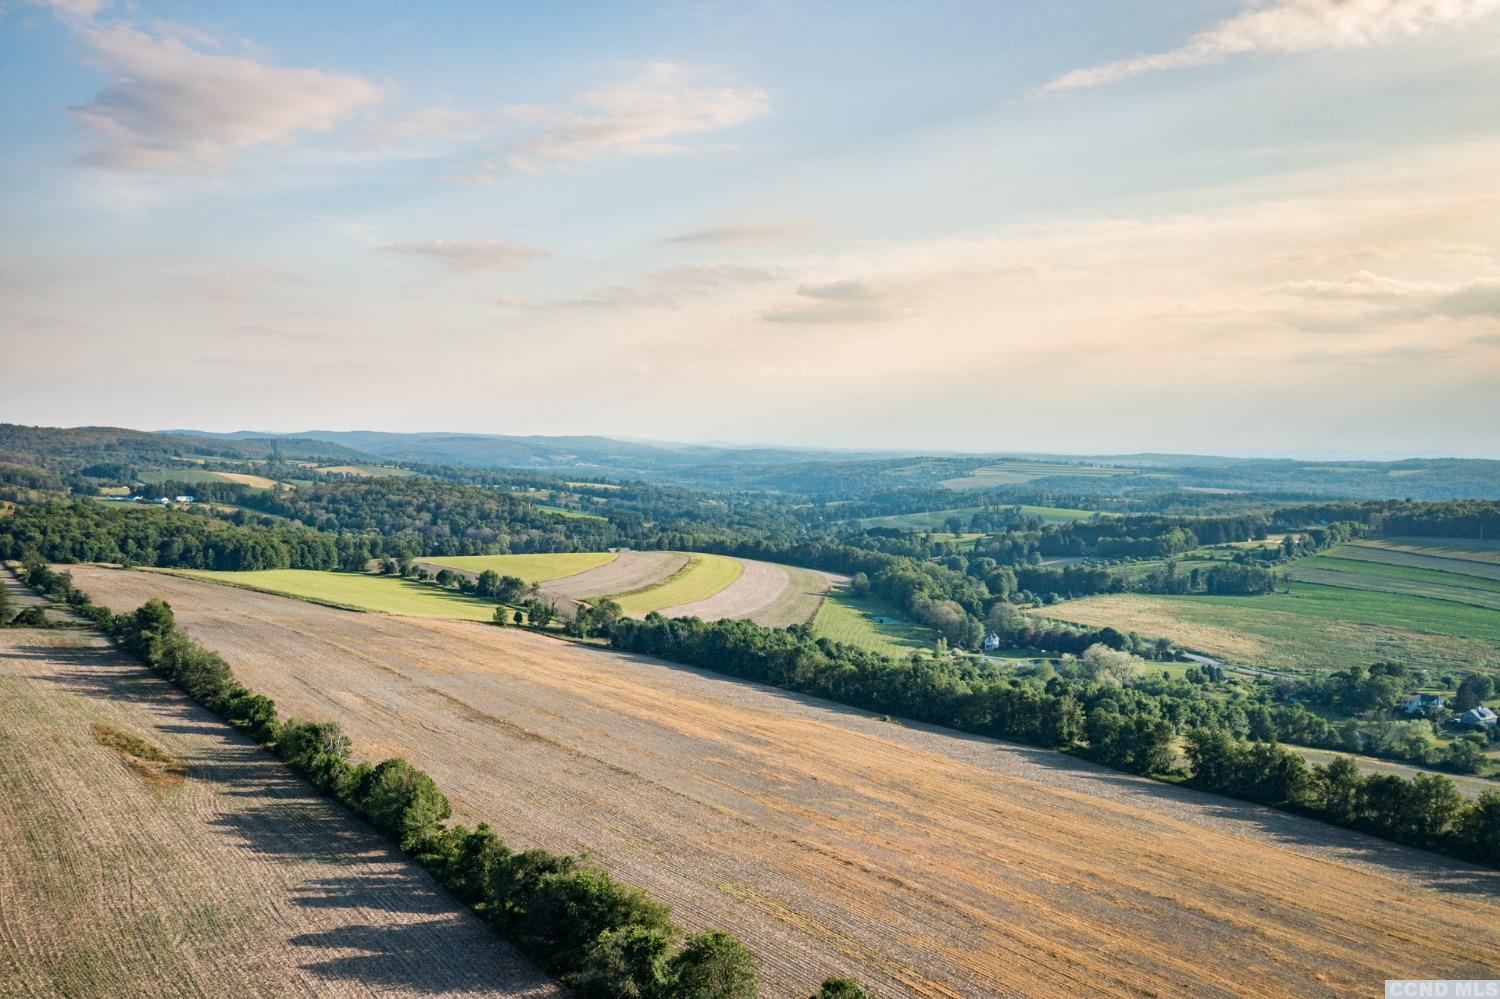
148,761
924,862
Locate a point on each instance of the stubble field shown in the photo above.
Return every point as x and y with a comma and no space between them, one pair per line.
923,862
146,849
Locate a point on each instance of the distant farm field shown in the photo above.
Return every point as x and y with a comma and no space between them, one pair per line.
1464,549
936,520
368,471
922,862
1362,574
1313,627
870,623
358,591
147,849
1007,473
195,475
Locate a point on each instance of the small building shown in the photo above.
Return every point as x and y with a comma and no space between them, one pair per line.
991,642
184,499
1480,717
1417,703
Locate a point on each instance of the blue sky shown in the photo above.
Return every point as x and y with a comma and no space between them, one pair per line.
1079,227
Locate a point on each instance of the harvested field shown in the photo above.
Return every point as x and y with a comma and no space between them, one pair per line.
630,570
702,577
147,849
801,600
764,593
924,862
528,568
1463,549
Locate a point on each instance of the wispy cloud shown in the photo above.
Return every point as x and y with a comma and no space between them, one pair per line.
1368,298
177,104
1287,26
471,256
746,233
846,301
671,287
653,113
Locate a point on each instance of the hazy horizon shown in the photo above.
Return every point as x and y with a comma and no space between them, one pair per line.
1219,227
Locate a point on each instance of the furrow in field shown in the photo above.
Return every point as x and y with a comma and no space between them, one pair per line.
924,862
631,570
759,585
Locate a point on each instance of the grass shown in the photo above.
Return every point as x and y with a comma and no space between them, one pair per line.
147,760
854,621
195,475
1009,473
1314,626
357,591
1469,549
530,568
565,512
701,578
1456,562
1358,574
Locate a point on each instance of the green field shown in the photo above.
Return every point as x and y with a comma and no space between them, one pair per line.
1009,473
528,568
381,594
1358,574
1475,562
367,471
936,519
193,475
1464,549
701,578
1315,626
565,512
855,621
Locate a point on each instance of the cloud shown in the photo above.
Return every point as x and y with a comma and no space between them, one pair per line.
764,232
648,115
1366,296
471,256
1287,26
847,301
172,107
671,287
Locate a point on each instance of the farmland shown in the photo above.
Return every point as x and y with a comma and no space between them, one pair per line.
198,475
701,578
357,591
1009,473
1315,626
150,850
837,843
530,568
869,623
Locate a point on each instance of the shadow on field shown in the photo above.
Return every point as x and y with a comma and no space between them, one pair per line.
400,957
1274,826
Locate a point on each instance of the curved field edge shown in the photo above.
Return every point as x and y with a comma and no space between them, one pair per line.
238,879
702,577
837,843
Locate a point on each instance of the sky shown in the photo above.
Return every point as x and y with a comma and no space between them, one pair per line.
1090,226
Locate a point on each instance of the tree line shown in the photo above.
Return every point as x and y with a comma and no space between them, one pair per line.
602,937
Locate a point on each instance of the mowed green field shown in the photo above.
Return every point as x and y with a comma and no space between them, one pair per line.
528,568
1008,473
701,578
936,519
853,620
565,512
1466,549
380,594
1475,591
1315,626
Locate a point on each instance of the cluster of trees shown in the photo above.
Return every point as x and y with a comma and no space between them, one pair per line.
1426,811
80,531
604,938
1093,705
434,517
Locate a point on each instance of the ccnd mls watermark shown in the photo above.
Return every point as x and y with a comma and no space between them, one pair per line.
1418,989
